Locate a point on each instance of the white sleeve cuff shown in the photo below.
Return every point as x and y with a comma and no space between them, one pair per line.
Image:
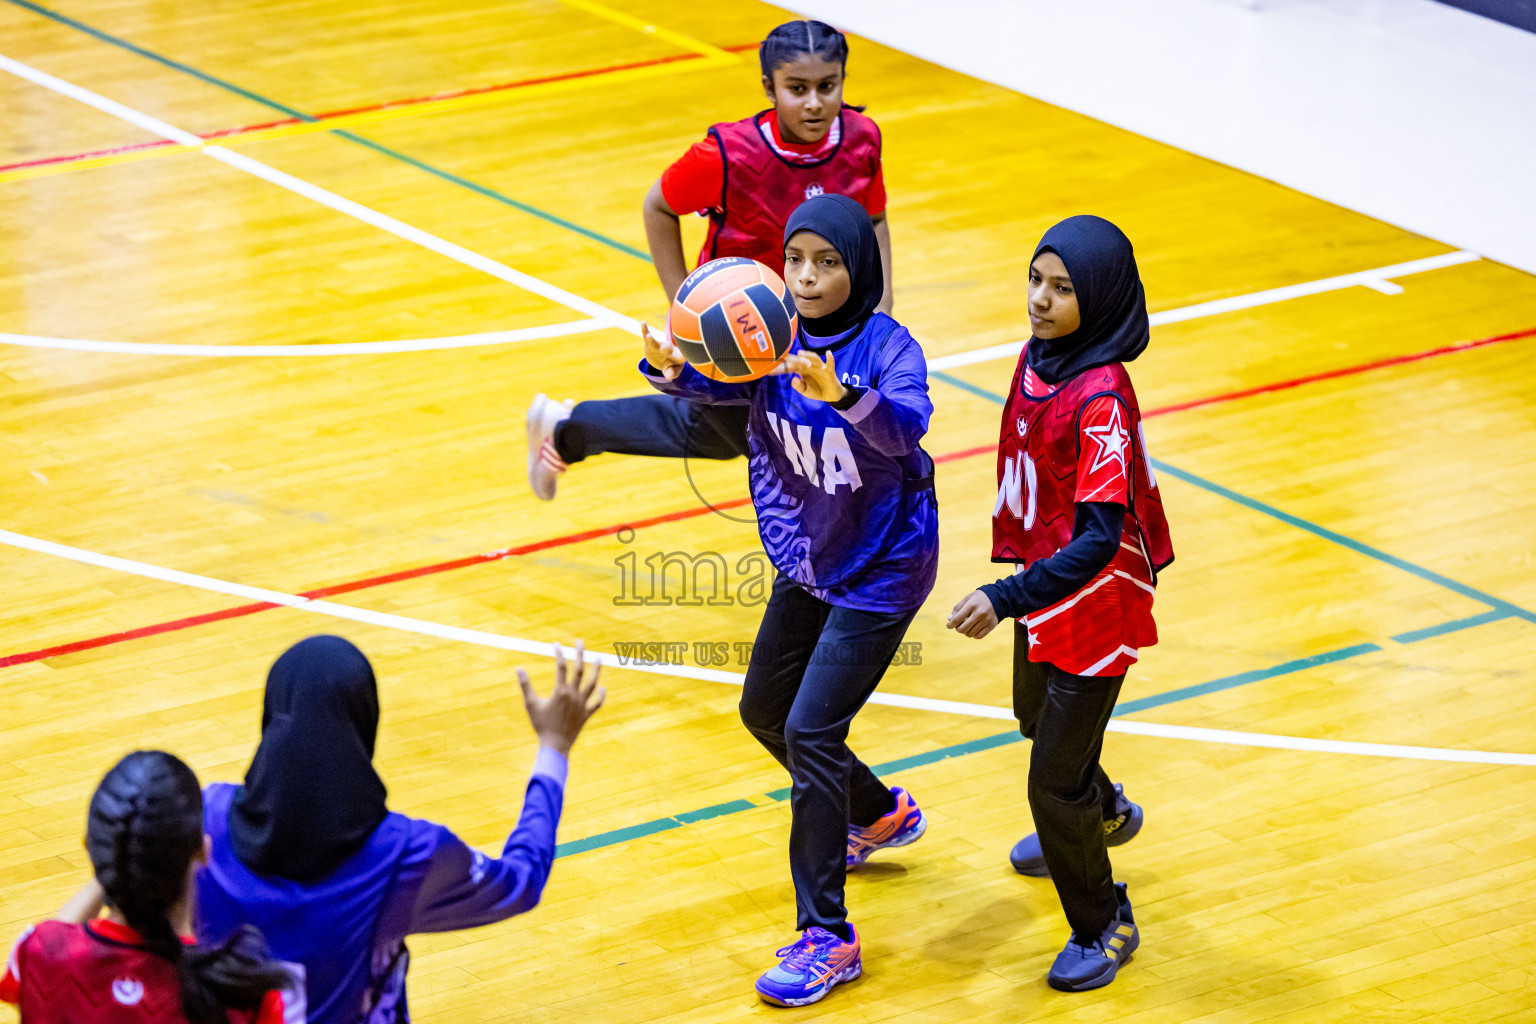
862,408
551,763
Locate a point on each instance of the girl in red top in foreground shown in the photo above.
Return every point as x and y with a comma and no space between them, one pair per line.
747,177
145,840
1079,511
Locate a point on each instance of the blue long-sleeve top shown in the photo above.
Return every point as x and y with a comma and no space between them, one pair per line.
844,496
347,930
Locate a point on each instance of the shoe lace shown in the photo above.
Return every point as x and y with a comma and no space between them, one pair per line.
800,955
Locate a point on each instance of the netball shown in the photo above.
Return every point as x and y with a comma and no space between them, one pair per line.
733,319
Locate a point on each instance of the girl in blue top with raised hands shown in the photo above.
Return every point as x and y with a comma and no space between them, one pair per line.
845,508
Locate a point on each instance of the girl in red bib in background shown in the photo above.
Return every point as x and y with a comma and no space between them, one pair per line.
747,177
1079,512
138,965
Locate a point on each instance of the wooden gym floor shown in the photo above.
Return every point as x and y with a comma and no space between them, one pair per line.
1349,486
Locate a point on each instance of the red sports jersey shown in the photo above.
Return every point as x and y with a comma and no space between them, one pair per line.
748,181
100,973
1081,441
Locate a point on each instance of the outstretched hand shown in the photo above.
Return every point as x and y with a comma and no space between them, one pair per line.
974,616
815,378
558,718
664,357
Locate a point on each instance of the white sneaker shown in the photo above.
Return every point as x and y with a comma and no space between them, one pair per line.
544,463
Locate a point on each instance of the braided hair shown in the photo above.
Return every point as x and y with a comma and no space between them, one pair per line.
144,828
795,39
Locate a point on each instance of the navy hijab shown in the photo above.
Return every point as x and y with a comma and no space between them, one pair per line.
846,225
1114,327
311,797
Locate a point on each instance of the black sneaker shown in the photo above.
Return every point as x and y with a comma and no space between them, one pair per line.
1027,859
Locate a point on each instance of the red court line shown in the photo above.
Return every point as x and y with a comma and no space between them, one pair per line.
1347,371
386,105
689,513
362,584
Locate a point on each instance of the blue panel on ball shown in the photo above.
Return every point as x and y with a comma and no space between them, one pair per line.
691,350
706,271
721,342
774,319
789,305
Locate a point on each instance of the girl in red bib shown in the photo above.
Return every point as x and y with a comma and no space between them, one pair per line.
747,177
137,965
1078,511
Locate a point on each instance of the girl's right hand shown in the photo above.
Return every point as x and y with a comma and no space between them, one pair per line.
663,356
974,616
558,718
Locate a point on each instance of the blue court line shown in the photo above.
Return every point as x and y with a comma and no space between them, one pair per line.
360,140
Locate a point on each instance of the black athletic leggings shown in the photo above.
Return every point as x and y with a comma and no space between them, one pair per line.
1069,794
812,669
657,425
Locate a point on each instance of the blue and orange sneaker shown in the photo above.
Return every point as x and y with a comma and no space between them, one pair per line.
810,968
900,827
1080,967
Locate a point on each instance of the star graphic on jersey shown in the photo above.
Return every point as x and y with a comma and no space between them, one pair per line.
1032,638
1111,439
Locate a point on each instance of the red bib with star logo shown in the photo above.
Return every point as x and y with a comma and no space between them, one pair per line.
1081,441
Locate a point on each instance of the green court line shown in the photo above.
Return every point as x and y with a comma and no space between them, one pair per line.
1499,609
1130,707
1415,635
976,746
1500,605
255,97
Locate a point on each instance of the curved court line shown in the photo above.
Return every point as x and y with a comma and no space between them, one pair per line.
325,349
324,197
522,646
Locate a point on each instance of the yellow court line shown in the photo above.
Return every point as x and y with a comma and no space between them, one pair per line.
368,117
641,25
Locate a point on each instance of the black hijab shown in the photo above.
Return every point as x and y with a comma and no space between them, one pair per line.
847,226
311,797
1114,326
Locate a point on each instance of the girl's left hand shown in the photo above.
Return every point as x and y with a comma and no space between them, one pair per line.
974,616
815,379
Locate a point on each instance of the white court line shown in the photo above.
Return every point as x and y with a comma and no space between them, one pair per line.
398,228
325,349
511,643
1378,279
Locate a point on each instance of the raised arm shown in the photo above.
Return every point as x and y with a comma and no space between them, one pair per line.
462,888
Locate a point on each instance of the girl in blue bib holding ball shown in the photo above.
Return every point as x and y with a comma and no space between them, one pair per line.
846,512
